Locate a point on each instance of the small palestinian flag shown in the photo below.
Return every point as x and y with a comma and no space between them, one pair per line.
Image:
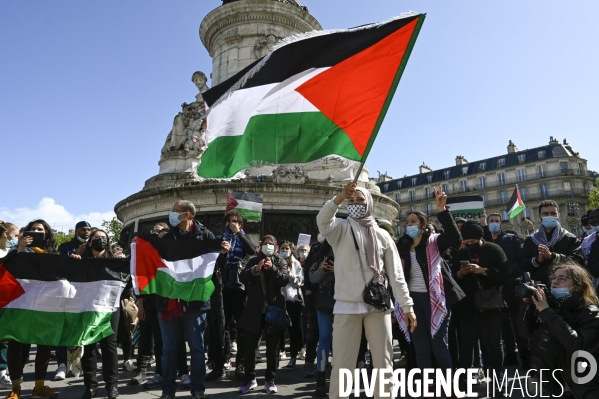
176,269
317,95
467,207
248,205
515,206
56,300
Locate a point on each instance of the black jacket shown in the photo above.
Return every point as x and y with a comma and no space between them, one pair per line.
512,248
449,237
491,257
199,232
573,324
69,248
230,271
275,279
568,248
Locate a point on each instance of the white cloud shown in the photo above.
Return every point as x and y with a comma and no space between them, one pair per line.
55,214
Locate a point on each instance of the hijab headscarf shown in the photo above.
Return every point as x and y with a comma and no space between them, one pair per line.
370,240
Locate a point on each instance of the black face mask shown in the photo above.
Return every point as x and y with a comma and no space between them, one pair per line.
99,244
473,248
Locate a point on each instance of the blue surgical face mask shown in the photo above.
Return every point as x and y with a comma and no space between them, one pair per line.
413,231
81,239
173,219
12,242
303,255
549,222
284,255
560,292
494,227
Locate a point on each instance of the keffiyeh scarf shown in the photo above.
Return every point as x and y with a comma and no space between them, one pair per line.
540,237
435,288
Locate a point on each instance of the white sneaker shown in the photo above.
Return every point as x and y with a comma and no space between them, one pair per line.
303,354
5,381
233,347
282,356
61,372
153,361
129,366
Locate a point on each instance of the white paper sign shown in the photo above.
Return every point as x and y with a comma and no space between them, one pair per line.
303,239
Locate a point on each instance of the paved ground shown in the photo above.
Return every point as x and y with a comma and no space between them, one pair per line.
290,383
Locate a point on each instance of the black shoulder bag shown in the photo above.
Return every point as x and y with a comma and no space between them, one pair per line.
275,315
375,294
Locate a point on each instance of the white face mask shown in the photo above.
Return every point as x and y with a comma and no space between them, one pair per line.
268,249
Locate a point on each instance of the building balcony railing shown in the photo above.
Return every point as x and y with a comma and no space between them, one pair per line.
456,189
550,194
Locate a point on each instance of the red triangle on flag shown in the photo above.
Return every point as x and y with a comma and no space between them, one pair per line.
353,93
147,263
10,288
231,202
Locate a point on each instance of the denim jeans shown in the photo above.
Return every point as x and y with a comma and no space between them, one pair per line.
194,323
325,339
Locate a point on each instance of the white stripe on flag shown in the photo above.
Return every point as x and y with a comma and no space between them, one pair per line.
190,269
64,296
249,205
231,117
459,206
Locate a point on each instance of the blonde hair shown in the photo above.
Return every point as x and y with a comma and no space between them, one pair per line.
7,226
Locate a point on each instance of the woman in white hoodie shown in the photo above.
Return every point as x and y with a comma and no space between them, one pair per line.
378,255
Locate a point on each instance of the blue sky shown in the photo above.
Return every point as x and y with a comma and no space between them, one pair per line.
88,90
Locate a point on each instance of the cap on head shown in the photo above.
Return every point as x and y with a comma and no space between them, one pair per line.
472,230
82,224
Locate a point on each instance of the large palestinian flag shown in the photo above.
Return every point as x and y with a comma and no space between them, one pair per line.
176,269
317,95
57,300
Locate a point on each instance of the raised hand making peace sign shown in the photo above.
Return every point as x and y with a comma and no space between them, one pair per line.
440,198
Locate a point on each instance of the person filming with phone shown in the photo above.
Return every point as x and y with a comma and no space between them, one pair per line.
561,321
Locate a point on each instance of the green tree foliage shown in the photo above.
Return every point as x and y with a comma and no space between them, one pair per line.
594,196
61,237
113,228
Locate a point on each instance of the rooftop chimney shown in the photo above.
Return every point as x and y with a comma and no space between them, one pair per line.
460,160
511,148
553,141
424,168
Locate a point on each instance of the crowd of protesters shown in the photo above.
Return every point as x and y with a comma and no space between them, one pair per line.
457,290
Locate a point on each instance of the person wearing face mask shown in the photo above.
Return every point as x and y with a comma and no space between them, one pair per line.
479,265
294,302
512,247
233,294
559,328
264,277
16,350
9,234
8,238
77,244
590,247
98,246
431,285
177,316
375,256
549,245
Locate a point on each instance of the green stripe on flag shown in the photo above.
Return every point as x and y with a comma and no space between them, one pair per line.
55,328
516,211
255,216
278,139
165,285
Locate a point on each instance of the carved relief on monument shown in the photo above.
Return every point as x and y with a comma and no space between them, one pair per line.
290,174
189,126
264,44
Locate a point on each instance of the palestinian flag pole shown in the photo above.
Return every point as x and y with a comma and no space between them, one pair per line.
317,95
248,205
515,206
176,269
57,300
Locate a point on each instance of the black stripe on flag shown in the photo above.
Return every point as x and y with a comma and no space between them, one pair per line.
172,250
245,196
48,267
315,52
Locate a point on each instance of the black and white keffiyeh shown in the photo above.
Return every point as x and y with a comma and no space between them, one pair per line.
540,237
